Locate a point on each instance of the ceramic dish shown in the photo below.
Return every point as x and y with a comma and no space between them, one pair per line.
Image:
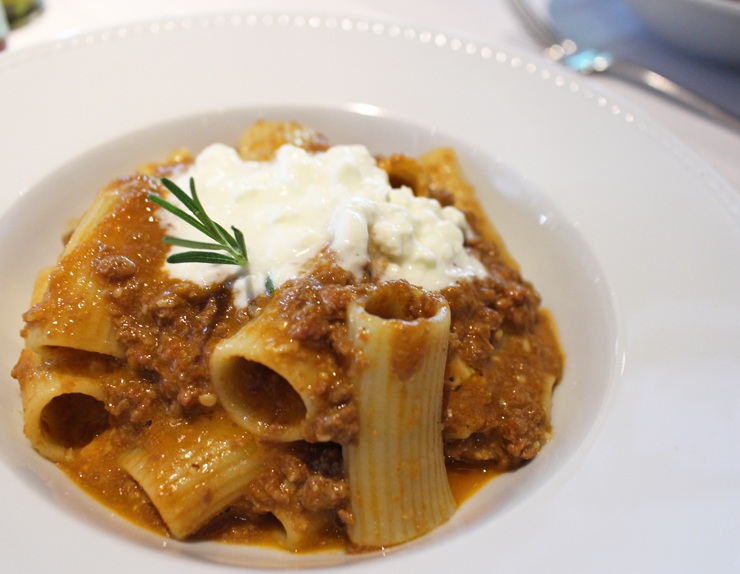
620,227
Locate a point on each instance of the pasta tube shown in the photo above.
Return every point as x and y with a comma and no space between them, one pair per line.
63,399
63,406
73,312
269,383
195,473
396,463
302,526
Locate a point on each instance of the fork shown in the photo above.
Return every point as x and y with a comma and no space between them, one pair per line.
588,61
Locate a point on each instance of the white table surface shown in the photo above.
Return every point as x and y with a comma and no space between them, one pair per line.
488,19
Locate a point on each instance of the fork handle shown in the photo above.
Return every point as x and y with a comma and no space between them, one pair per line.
670,89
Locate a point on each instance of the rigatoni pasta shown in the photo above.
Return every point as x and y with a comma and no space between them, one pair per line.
318,395
72,313
63,398
265,380
195,472
399,487
63,403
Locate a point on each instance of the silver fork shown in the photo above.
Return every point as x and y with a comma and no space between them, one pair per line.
587,61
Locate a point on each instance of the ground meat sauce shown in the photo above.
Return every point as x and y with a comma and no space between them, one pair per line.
503,359
499,333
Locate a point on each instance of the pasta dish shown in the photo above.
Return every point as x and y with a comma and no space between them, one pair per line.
363,342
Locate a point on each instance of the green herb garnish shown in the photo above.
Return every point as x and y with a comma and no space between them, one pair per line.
236,251
269,285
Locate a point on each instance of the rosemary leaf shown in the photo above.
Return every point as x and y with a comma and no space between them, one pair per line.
225,236
202,257
241,247
181,195
178,212
191,244
234,246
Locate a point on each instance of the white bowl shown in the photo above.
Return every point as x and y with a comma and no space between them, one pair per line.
708,28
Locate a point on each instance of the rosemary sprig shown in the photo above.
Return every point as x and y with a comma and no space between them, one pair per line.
236,250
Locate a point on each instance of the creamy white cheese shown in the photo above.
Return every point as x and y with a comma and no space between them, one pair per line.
291,208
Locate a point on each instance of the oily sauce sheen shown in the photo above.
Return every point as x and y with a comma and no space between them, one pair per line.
94,470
